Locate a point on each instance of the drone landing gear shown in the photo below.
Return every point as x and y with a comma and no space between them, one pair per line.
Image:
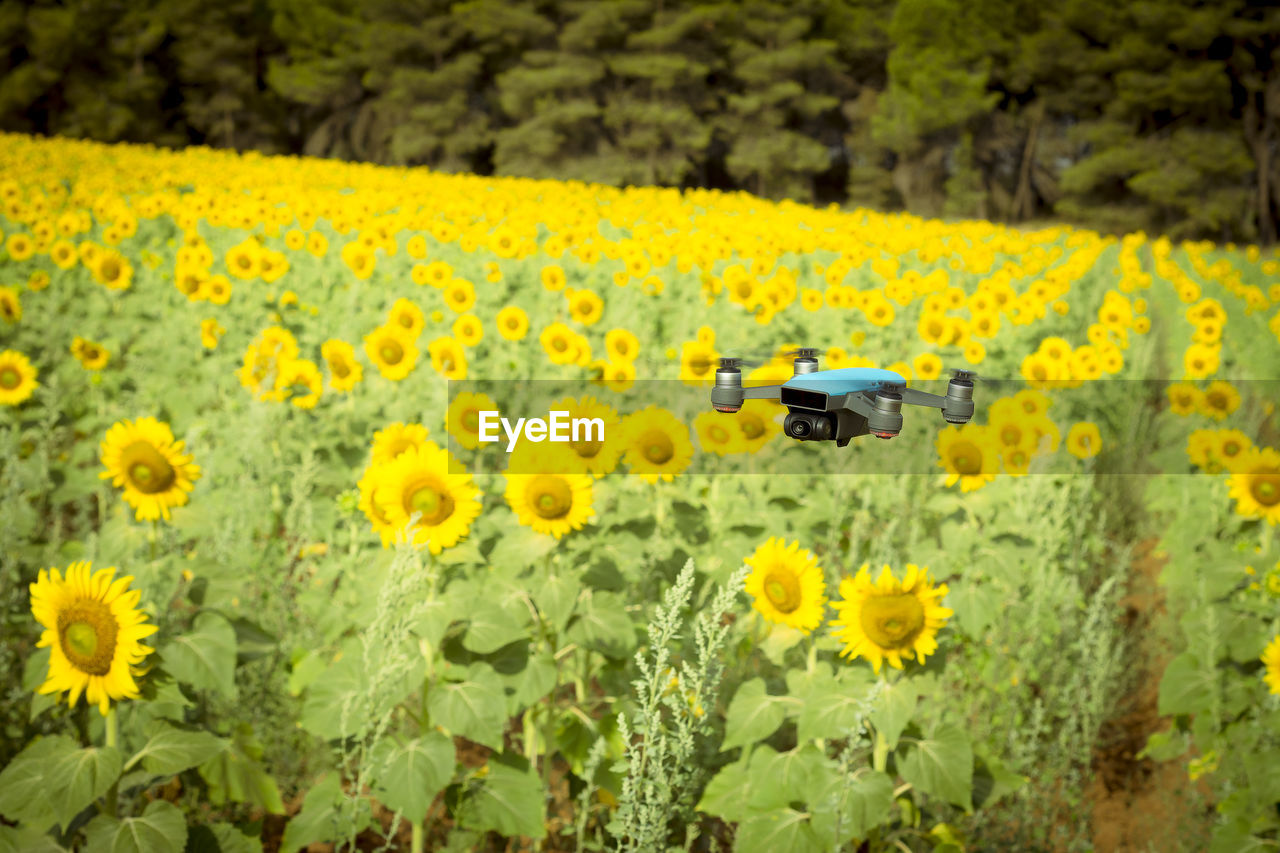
841,442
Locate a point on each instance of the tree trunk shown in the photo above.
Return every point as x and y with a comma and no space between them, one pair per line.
1024,196
1260,133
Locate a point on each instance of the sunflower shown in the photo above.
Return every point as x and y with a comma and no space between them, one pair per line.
463,417
559,343
142,457
1084,441
970,454
890,619
20,246
549,495
1219,400
10,305
586,307
344,371
438,274
697,363
93,631
17,378
242,259
395,439
113,270
718,433
418,482
299,381
460,295
1232,446
658,445
391,352
317,244
448,358
621,345
468,330
367,486
618,375
553,277
210,331
757,424
513,323
1271,665
217,289
1255,484
92,356
407,318
926,365
786,585
597,452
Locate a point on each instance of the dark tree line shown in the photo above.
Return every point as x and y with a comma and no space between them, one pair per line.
1158,115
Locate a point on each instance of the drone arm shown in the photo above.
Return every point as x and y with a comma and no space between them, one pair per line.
761,392
856,402
915,397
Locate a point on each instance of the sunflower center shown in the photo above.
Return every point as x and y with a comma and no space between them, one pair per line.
893,621
110,269
1011,435
149,472
391,352
1231,448
621,348
699,366
782,588
9,378
340,369
1216,400
560,345
657,447
434,504
1266,488
406,321
587,448
471,420
88,632
967,458
752,426
718,434
550,497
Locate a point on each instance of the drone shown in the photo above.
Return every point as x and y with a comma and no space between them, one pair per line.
840,405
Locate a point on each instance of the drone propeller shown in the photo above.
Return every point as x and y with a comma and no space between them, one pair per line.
964,375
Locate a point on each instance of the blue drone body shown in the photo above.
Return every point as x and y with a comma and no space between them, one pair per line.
839,405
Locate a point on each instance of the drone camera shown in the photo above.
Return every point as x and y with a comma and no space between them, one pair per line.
885,420
807,426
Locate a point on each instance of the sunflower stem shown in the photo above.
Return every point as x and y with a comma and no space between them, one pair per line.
880,757
416,841
113,735
155,535
813,654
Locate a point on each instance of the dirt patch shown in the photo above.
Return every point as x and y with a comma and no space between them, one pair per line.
1139,805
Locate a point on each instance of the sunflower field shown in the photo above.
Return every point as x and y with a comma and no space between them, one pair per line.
267,585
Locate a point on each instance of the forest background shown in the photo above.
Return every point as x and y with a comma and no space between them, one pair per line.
1161,116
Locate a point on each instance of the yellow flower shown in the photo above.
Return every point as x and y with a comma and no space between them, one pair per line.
468,330
513,323
391,352
20,246
438,274
299,381
393,440
786,585
242,259
460,295
658,445
317,244
1184,398
1084,441
463,417
559,343
548,495
419,482
598,448
718,433
1271,664
344,371
698,362
890,619
1219,400
210,331
91,355
10,304
93,631
586,307
448,358
553,277
1232,447
113,270
143,458
970,455
407,318
1255,484
926,365
17,378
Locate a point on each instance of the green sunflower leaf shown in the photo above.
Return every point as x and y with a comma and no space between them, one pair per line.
236,774
780,831
495,620
221,838
942,766
475,709
171,750
327,815
22,784
205,656
894,709
160,829
602,624
867,801
726,795
753,715
27,840
509,801
410,775
1187,686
